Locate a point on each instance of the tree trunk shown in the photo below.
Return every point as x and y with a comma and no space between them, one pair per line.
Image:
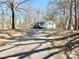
75,28
78,17
13,20
77,14
13,17
69,21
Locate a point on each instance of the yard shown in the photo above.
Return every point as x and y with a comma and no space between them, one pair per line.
38,44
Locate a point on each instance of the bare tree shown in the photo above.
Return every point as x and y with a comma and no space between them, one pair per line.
69,22
75,2
72,22
13,6
2,17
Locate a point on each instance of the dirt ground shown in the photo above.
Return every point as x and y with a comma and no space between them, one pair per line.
7,35
15,45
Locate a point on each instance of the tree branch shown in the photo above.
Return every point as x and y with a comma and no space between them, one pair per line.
21,3
22,9
20,12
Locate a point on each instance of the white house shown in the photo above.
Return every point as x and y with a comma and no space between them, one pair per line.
45,25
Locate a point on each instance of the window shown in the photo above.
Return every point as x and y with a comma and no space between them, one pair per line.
41,23
49,23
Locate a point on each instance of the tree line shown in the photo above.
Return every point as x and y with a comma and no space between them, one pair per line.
61,11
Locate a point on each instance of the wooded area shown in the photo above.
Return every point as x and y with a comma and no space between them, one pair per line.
21,36
64,12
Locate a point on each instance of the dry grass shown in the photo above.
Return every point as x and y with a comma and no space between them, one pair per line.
3,42
6,35
61,33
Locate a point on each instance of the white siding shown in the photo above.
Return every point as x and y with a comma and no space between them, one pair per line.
48,24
